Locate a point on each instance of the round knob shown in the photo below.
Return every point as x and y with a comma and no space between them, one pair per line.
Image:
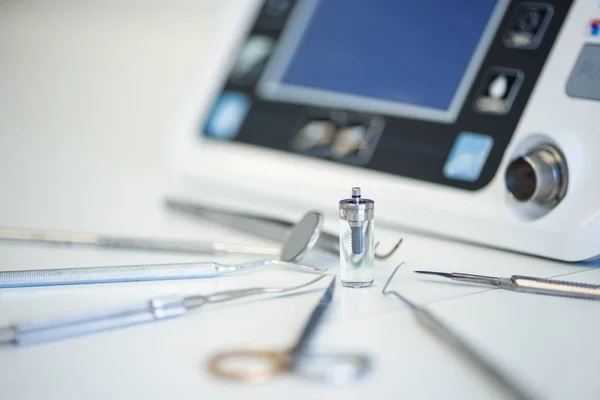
539,177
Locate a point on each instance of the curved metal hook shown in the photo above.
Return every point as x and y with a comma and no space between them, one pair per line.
387,255
440,330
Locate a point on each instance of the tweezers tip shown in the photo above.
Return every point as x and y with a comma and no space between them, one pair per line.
444,274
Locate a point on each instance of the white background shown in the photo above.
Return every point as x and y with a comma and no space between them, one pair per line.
88,92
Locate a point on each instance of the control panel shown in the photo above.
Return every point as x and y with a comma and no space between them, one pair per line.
481,118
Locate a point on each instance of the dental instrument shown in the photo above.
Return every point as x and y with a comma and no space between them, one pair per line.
130,242
527,284
296,244
444,333
261,365
156,309
261,225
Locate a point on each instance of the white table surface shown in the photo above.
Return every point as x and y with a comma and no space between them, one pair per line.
88,90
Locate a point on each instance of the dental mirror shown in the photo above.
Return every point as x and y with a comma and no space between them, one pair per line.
302,237
297,242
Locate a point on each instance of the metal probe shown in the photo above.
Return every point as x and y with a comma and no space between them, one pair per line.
527,284
440,330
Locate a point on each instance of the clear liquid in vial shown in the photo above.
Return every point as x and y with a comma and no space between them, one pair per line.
356,270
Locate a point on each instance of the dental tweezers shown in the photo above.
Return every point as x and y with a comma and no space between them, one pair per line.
527,284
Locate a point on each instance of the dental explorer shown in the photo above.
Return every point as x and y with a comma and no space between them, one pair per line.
156,309
444,333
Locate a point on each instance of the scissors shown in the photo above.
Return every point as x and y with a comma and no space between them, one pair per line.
258,365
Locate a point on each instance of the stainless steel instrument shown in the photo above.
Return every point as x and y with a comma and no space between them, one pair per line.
261,365
298,241
130,242
527,284
156,309
445,334
261,225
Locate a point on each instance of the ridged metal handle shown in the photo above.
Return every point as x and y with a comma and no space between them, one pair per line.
185,246
123,273
556,288
50,329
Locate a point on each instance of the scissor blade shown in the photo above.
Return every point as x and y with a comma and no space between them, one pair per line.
444,274
314,319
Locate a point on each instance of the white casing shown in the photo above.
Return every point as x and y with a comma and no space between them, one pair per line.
570,232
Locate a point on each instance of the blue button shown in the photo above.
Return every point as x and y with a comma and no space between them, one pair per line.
227,116
467,157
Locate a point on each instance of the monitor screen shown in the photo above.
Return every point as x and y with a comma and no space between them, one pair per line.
391,57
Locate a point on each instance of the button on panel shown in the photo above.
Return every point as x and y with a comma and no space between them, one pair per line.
351,139
468,156
314,135
498,90
355,143
584,81
227,116
527,25
252,59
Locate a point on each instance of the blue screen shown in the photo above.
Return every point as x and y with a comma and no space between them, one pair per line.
413,51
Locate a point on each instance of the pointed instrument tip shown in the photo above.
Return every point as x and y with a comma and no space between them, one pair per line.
444,274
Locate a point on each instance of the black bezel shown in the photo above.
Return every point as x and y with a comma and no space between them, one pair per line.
411,148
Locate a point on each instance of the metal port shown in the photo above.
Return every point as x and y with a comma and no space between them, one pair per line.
539,177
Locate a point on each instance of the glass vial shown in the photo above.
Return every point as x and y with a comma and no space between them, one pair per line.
357,245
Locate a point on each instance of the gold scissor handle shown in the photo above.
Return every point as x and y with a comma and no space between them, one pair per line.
263,365
257,365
